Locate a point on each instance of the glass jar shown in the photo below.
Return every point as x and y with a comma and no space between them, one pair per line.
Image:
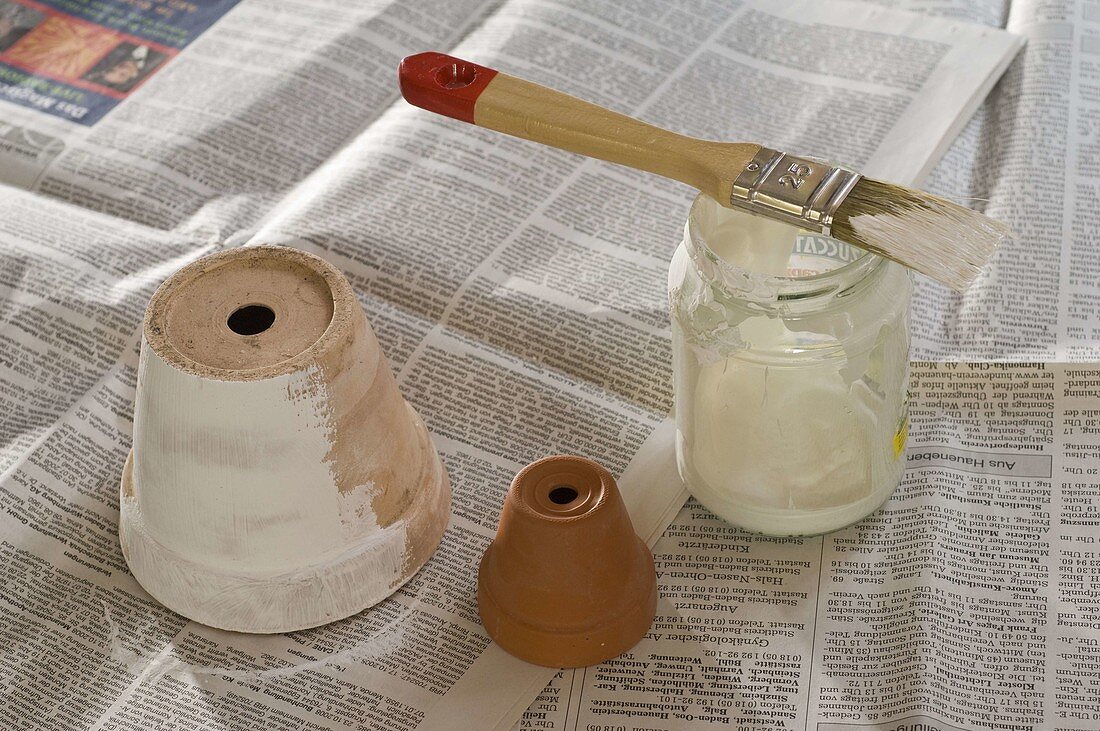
791,364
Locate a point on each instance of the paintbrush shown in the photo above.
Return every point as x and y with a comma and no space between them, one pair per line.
944,240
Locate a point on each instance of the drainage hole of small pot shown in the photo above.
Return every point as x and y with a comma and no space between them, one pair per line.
251,319
563,494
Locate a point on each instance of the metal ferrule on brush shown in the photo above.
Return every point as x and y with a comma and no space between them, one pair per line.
795,190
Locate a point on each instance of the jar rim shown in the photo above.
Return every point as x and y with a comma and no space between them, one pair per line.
771,289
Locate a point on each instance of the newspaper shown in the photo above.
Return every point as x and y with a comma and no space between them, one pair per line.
1026,158
518,293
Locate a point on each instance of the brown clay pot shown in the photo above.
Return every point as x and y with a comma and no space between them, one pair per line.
567,582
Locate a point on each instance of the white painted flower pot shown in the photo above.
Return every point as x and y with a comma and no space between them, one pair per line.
278,480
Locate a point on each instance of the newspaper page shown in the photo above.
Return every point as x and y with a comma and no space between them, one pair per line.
1027,159
230,105
556,264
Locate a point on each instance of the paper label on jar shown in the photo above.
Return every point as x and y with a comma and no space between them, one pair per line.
816,254
901,435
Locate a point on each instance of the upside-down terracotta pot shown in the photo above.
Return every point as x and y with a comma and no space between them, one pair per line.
278,480
567,582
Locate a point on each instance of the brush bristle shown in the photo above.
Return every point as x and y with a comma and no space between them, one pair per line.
944,240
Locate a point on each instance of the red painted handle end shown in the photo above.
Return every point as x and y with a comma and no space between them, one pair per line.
443,84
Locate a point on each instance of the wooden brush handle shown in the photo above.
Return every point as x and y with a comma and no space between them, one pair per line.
482,96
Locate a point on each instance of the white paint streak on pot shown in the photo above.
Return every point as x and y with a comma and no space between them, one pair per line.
278,479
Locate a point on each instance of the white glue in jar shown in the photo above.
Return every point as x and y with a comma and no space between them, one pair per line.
791,363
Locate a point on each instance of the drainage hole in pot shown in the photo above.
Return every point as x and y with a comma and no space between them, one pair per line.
251,319
563,494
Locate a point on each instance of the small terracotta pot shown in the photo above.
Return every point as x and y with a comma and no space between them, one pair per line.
278,480
567,582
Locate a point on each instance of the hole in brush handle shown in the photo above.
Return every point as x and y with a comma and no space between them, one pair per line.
456,75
